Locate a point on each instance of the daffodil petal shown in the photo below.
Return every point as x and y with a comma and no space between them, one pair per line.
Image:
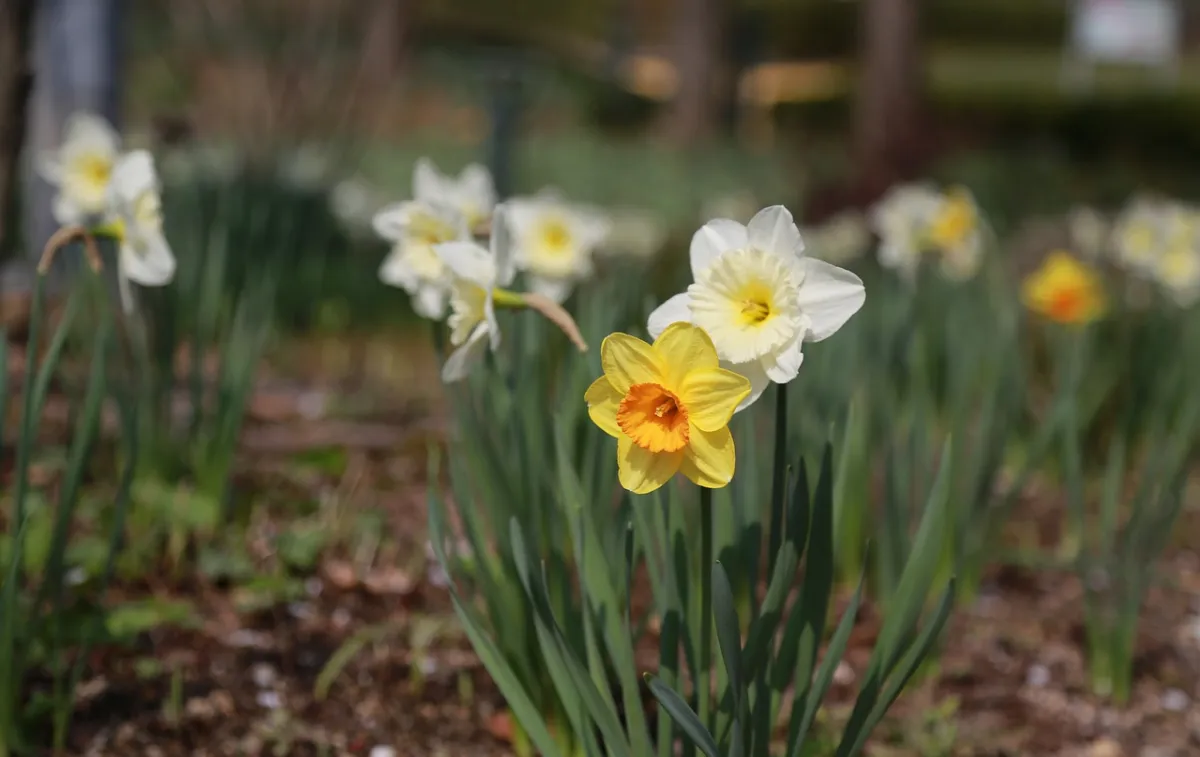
430,302
501,245
557,290
428,182
712,239
784,365
773,230
469,261
709,459
675,310
829,296
642,471
711,395
147,260
628,360
603,402
683,348
460,363
756,375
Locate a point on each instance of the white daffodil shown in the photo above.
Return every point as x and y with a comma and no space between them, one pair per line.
840,239
1087,229
414,228
633,234
82,169
476,274
1178,272
554,242
901,219
471,193
144,257
955,233
759,297
1139,235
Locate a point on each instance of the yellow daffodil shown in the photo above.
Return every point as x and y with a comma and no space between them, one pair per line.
955,233
554,242
82,168
1065,290
414,228
471,193
668,405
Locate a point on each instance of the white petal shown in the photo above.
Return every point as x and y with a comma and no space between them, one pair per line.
469,261
428,182
147,260
389,222
133,175
489,319
88,131
773,230
395,271
67,213
466,357
676,309
501,244
555,289
430,302
758,380
829,296
713,238
49,167
783,366
476,181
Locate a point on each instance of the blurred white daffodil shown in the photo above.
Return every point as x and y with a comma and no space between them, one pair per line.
839,240
1178,272
634,234
471,193
1139,235
554,242
760,298
414,228
82,168
900,219
1087,229
144,258
476,275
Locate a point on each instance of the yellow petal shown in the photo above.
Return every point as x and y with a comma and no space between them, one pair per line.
628,360
642,471
709,459
683,348
603,401
710,396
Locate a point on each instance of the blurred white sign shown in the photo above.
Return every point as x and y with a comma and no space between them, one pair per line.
1127,31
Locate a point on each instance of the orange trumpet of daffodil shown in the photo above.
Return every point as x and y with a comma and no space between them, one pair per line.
668,404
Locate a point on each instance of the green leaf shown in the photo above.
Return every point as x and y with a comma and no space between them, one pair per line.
729,636
802,635
762,630
813,696
684,717
129,619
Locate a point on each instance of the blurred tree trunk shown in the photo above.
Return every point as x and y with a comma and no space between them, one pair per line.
385,50
887,117
698,52
16,82
77,53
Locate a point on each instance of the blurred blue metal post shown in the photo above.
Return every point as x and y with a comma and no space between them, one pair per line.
505,111
76,64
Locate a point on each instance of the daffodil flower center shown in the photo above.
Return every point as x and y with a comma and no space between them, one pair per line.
96,170
654,418
468,308
556,238
1066,304
747,301
424,232
953,223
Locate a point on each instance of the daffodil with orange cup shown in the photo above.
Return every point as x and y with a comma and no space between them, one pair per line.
668,404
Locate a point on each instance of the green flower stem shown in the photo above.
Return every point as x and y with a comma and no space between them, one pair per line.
704,682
